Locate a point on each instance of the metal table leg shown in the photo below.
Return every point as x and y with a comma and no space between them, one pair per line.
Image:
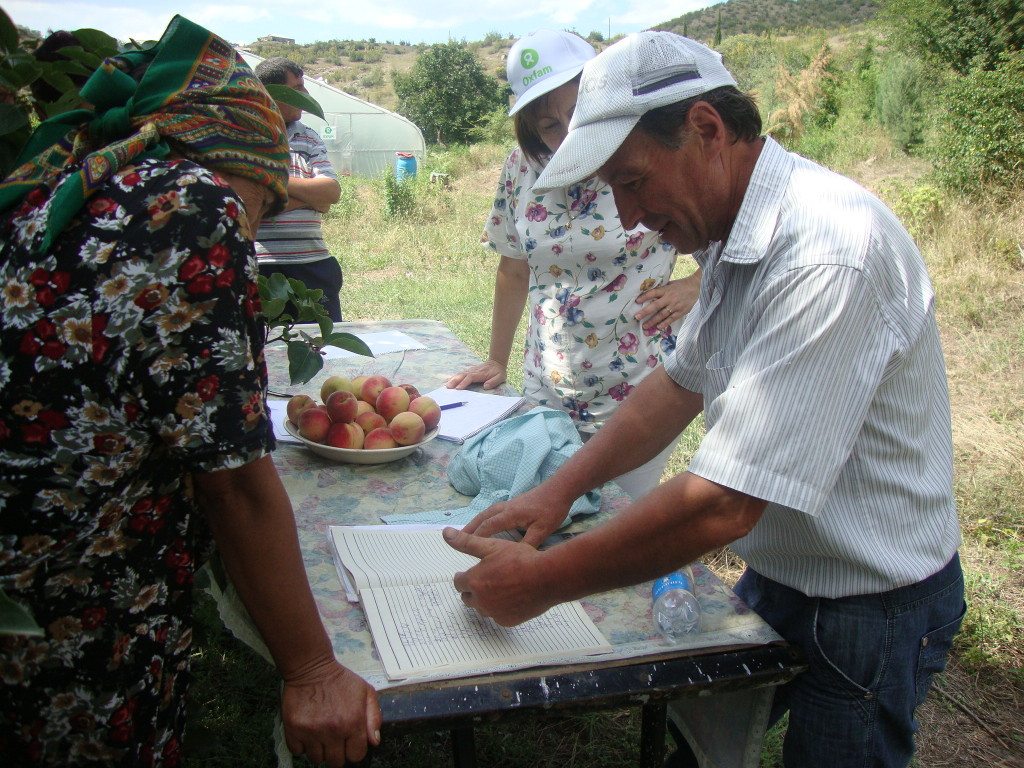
463,748
652,734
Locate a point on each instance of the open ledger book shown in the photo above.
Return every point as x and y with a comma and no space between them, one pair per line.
420,626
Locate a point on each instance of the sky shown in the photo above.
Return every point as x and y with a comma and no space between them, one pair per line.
307,21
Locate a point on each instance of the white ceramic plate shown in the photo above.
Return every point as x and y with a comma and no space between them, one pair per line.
359,455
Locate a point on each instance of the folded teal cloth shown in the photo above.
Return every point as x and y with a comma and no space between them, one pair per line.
506,460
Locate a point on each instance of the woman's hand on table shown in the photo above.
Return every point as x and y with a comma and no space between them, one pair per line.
490,373
496,586
330,714
668,303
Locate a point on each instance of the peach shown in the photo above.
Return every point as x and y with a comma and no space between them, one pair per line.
428,410
370,421
296,405
314,424
379,438
373,386
345,434
363,407
341,406
334,384
392,401
407,428
357,384
413,392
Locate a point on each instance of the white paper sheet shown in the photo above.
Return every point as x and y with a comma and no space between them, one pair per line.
380,343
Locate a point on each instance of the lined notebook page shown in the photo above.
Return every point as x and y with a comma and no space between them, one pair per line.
427,628
380,555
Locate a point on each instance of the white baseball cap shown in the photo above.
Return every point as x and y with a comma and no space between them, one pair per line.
641,72
540,62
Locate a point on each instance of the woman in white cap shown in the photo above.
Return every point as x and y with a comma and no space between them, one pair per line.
601,300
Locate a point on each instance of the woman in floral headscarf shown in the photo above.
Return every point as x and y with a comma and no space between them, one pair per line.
132,392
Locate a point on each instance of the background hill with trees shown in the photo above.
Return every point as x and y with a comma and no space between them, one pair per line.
922,101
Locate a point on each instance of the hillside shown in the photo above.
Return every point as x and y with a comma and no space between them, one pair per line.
761,16
363,68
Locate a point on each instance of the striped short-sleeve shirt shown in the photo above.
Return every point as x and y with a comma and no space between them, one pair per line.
815,347
296,236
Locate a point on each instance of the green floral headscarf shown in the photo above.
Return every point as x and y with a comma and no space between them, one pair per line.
196,96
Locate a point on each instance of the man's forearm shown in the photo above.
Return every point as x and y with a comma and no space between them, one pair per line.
676,523
318,193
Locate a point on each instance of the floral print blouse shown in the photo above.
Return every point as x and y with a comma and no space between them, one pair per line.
130,356
584,352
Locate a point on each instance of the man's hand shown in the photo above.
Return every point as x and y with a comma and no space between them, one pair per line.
500,585
330,715
536,513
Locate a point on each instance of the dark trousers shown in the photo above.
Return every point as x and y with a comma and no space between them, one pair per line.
324,274
871,662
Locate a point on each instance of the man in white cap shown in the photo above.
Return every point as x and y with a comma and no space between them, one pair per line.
814,354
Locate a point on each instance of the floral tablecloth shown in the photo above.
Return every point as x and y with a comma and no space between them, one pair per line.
325,493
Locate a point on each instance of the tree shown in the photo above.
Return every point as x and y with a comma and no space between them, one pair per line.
447,92
963,34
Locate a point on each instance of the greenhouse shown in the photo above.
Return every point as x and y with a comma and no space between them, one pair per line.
362,139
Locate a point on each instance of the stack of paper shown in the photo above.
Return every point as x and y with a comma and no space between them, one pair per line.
420,626
480,410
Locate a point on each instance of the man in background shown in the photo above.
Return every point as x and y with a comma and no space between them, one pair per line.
292,243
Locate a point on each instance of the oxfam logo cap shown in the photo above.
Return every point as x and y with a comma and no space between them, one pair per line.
529,58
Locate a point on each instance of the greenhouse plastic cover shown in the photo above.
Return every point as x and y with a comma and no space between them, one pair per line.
361,138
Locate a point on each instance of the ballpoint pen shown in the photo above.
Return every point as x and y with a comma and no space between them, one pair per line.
446,406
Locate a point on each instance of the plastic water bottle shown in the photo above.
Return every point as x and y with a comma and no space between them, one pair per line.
675,607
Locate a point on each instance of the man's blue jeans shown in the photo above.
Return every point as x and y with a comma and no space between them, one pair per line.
871,661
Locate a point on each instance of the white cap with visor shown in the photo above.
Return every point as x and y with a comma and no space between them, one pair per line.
641,72
542,61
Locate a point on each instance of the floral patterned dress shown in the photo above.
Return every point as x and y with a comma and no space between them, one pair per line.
130,356
584,351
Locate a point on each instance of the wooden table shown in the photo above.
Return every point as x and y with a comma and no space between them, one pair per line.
736,660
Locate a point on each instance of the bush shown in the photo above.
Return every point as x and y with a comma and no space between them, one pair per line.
981,141
399,196
495,127
900,100
447,92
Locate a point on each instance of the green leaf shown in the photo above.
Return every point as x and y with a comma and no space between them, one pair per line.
58,80
8,32
15,619
326,326
272,308
67,102
12,118
294,98
304,362
96,41
348,341
82,56
277,287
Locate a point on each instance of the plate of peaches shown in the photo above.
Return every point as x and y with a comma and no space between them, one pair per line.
365,420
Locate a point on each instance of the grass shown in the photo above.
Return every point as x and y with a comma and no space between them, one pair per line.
429,263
